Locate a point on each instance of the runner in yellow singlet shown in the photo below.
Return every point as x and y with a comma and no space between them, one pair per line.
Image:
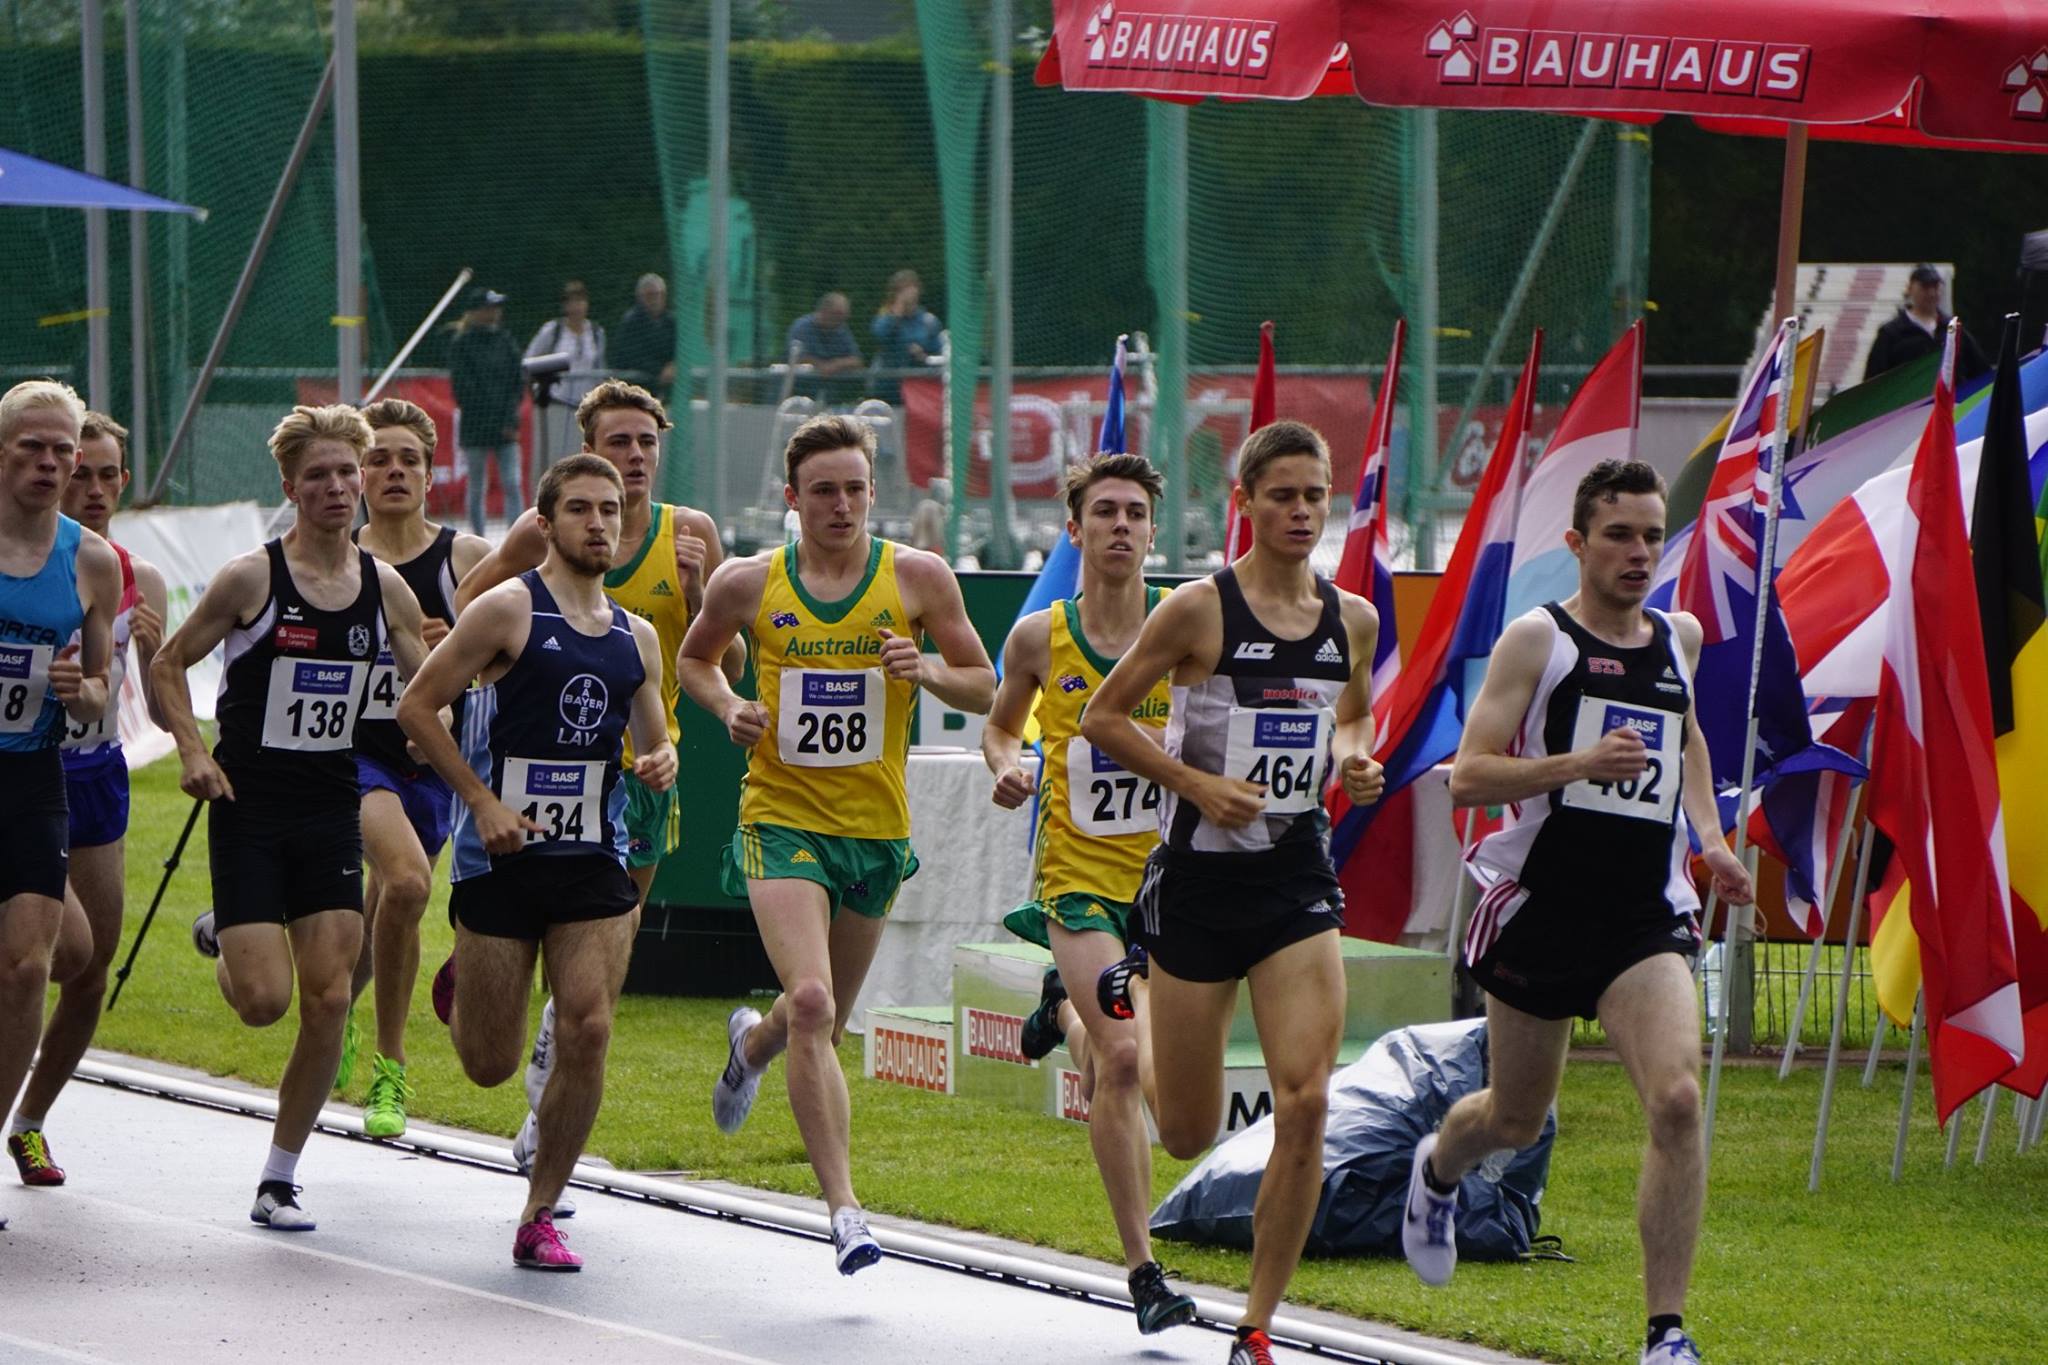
1097,822
824,823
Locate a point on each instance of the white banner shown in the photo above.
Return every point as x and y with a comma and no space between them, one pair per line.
188,545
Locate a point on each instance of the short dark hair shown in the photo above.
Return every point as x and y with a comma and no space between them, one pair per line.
1608,480
1276,441
1924,273
829,432
580,465
1110,464
98,424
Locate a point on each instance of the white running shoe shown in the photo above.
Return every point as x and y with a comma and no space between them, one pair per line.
524,1145
541,1063
203,936
277,1208
732,1099
1673,1348
1429,1234
853,1245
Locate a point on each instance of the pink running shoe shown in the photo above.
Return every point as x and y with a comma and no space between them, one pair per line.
444,990
538,1246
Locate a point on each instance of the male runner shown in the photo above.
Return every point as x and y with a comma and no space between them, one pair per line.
1096,823
1584,729
660,580
406,806
540,849
304,618
1272,672
96,790
824,821
57,579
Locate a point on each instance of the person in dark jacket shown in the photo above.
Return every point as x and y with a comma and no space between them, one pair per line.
1918,330
644,343
483,370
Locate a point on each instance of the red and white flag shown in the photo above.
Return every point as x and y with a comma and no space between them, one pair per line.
1237,532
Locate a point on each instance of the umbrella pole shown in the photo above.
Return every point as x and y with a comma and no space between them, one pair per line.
1791,211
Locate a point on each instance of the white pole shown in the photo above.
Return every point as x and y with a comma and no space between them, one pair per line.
92,56
2021,1113
1876,1039
1906,1091
1827,1084
418,333
1813,959
2034,1121
348,213
1955,1140
1984,1133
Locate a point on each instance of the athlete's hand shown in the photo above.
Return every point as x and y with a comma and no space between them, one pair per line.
901,658
689,558
146,628
433,630
658,769
1363,779
1731,878
67,678
502,829
201,778
745,722
1013,788
1618,756
1227,802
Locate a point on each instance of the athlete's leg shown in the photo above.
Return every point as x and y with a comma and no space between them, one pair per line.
403,878
1525,1063
1298,1004
1190,1030
97,877
1116,1125
587,965
255,972
323,948
1652,1015
73,950
491,990
28,935
366,958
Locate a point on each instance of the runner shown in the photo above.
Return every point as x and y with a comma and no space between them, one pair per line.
824,821
303,618
57,580
540,848
96,790
661,580
406,806
1096,823
1266,702
1584,729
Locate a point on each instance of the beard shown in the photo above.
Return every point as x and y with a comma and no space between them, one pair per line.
582,560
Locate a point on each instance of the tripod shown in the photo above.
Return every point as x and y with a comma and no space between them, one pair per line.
170,866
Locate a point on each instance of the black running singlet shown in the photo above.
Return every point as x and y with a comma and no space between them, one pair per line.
432,579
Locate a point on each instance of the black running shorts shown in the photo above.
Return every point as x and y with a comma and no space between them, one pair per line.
275,863
35,825
1218,920
523,898
1555,962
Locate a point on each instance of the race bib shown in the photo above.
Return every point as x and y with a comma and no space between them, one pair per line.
564,797
1653,795
311,703
24,682
1106,799
831,717
381,701
1282,751
82,734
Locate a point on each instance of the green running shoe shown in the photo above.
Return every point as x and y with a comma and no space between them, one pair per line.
351,1044
390,1093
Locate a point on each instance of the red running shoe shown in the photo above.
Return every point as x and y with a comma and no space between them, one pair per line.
31,1153
538,1246
1252,1347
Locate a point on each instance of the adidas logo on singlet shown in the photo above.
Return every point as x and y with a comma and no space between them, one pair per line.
883,618
1329,653
550,643
661,589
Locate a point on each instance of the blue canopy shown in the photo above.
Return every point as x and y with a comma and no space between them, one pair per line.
30,183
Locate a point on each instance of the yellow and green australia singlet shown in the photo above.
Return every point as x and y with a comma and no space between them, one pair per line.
1096,822
838,728
647,586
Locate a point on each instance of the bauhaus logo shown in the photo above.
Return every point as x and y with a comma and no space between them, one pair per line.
1467,55
999,1037
1197,44
911,1059
2026,81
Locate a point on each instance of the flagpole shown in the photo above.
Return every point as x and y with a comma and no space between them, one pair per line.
1876,1038
1813,959
1857,890
2034,1121
1906,1093
1984,1133
1955,1140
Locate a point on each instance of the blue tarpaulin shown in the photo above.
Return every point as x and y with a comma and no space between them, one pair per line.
27,182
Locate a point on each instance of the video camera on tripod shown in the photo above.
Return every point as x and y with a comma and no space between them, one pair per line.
542,373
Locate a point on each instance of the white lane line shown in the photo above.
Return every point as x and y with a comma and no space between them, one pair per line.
289,1242
51,1348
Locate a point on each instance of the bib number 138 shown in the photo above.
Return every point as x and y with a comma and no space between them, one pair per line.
311,704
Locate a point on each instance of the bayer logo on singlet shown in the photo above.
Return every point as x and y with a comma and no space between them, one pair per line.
583,702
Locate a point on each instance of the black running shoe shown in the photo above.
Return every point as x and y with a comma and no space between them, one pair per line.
1113,987
1042,1031
1158,1306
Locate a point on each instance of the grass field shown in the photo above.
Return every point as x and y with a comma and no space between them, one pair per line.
1944,1266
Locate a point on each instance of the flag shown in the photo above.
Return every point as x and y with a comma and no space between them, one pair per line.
1934,784
1798,814
1364,568
1600,423
1237,533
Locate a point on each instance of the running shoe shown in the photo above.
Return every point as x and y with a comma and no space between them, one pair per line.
390,1093
1252,1347
524,1145
852,1244
542,1060
538,1246
732,1098
277,1208
351,1048
1042,1026
203,937
31,1153
1429,1233
1113,987
1158,1306
444,990
1673,1348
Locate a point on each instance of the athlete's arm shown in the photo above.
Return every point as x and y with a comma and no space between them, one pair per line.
464,555
655,761
732,598
965,680
1027,658
236,592
698,555
79,676
523,548
146,629
402,620
1186,628
1731,878
1363,779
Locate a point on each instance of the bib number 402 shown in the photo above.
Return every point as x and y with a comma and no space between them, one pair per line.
1644,788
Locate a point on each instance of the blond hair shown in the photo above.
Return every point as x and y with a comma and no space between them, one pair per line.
32,395
398,412
304,425
616,394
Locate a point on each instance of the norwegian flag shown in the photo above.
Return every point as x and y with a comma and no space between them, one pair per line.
1367,552
1237,532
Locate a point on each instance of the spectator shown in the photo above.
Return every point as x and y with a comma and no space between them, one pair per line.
822,340
644,347
483,371
1918,330
575,335
928,521
906,334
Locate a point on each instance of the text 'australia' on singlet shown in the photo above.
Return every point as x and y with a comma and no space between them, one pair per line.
838,726
648,586
546,737
1268,716
293,688
38,615
88,745
1096,821
1622,843
431,576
